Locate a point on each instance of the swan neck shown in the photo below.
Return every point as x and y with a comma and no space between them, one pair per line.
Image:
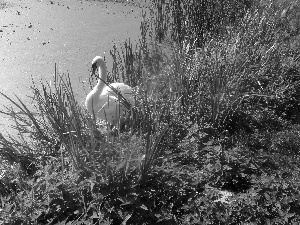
102,75
102,71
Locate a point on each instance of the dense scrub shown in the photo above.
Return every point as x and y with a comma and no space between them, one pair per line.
214,137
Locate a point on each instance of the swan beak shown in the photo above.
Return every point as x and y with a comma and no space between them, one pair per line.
92,72
94,68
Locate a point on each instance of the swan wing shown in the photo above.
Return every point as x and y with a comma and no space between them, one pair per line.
111,110
121,87
125,90
109,106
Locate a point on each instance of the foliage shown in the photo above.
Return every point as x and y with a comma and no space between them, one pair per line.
213,138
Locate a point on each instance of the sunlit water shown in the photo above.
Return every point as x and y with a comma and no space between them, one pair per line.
36,34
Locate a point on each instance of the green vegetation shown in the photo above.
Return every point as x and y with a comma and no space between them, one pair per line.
214,137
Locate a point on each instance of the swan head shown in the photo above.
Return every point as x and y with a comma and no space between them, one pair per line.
97,62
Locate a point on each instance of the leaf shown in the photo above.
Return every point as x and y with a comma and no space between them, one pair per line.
92,185
126,218
227,167
121,200
267,197
143,207
95,215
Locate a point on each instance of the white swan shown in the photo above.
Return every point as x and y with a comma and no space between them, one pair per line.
110,103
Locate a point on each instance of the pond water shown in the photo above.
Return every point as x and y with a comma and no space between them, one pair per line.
36,34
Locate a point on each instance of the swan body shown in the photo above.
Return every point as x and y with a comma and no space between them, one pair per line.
109,103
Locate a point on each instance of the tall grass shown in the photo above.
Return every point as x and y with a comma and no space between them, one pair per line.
212,82
217,78
62,129
195,20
